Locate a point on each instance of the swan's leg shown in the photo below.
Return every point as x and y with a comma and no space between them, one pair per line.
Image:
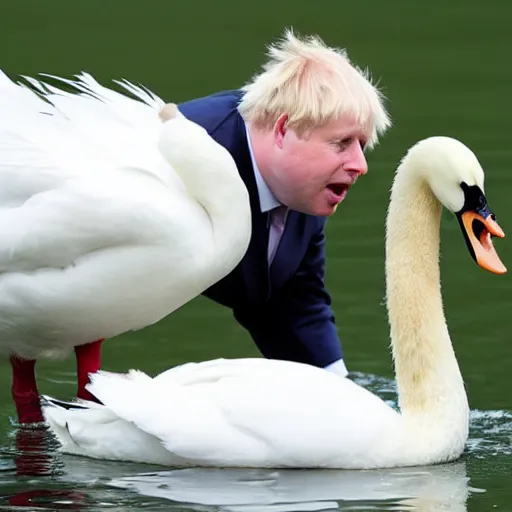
24,391
88,360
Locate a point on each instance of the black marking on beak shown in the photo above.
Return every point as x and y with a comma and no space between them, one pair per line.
475,201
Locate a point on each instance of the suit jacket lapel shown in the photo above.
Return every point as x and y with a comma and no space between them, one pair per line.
254,264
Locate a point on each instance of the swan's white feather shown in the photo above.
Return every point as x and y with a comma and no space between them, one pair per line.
99,233
239,413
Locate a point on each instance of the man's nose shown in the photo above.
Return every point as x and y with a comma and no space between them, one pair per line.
356,162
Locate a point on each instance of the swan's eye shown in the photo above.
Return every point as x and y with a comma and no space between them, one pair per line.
474,199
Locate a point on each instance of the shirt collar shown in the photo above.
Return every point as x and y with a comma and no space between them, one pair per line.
268,201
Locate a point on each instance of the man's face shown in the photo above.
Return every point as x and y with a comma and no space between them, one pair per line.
313,174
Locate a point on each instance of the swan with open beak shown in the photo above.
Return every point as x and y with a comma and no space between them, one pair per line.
479,225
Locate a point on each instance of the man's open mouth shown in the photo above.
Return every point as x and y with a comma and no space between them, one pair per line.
338,189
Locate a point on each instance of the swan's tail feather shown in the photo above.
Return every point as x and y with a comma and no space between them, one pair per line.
85,93
89,127
94,430
48,401
143,93
18,98
36,85
79,426
38,147
108,387
117,122
89,87
57,414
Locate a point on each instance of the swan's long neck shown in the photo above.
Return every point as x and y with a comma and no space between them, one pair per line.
428,378
211,178
225,198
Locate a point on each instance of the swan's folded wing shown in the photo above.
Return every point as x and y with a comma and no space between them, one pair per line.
122,129
53,229
64,177
46,219
275,414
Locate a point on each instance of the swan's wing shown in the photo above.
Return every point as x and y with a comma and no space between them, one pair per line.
125,128
54,229
39,148
252,412
93,430
71,179
90,130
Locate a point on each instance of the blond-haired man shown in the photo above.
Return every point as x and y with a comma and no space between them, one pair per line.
297,132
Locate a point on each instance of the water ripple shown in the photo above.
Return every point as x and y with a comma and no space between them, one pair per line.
490,432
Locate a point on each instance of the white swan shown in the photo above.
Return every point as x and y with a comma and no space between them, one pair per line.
266,413
110,219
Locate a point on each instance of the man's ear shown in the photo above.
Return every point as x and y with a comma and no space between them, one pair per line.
280,129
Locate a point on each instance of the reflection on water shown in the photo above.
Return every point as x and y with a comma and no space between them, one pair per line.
34,475
431,488
35,452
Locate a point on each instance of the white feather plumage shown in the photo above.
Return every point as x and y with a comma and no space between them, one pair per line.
110,219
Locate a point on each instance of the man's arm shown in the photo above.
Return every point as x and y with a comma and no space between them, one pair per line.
298,323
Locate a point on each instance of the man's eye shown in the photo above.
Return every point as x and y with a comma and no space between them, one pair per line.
343,143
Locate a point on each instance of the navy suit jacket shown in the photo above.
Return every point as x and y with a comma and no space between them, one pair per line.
286,308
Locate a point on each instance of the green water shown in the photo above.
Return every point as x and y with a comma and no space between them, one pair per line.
445,69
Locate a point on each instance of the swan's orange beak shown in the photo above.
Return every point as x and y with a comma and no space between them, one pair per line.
479,225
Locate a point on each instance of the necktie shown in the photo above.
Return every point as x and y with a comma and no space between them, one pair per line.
277,224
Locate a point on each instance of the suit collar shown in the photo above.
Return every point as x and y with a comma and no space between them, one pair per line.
224,123
256,270
268,201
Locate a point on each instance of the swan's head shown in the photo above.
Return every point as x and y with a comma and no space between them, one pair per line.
456,178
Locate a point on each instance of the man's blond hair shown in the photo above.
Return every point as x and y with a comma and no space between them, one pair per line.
313,84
